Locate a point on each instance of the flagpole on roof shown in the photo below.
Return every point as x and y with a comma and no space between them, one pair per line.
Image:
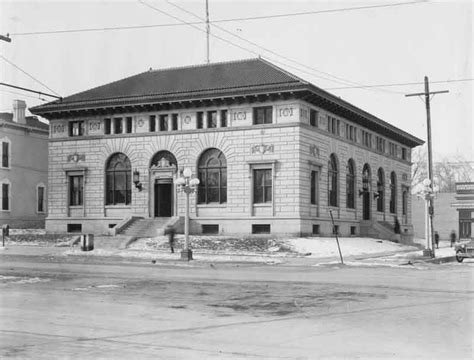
208,29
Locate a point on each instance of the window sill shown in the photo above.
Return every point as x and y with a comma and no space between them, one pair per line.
76,206
263,205
212,205
118,206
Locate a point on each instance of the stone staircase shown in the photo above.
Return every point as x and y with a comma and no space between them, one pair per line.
377,229
141,228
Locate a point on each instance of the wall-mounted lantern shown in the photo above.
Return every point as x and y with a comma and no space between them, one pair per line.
136,180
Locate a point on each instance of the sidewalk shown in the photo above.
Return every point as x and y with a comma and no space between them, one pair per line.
323,252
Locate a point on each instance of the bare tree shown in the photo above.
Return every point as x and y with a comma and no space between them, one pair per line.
446,172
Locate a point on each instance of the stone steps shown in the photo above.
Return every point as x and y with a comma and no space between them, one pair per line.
145,227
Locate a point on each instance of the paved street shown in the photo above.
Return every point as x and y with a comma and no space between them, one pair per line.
89,308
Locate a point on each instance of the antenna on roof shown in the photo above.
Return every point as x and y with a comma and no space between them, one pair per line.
208,29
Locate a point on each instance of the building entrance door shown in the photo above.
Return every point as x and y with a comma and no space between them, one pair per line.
163,199
366,205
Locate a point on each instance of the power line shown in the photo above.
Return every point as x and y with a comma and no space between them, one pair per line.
399,84
243,48
251,18
29,90
26,73
263,48
23,95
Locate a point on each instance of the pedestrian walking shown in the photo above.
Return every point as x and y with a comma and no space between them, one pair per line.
437,239
453,238
170,231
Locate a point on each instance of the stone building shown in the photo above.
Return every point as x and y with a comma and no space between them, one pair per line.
23,168
274,154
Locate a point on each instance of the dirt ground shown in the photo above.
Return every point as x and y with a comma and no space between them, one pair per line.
101,309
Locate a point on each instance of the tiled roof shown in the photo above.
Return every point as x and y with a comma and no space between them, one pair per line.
245,74
31,121
228,79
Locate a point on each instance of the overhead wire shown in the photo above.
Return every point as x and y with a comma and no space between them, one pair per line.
265,49
399,84
237,45
250,18
28,74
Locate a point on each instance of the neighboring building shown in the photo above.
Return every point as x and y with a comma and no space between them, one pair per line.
445,217
274,154
464,204
23,168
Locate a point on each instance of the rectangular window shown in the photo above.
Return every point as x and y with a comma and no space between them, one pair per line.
353,230
393,149
152,123
404,153
6,197
164,122
128,125
5,154
76,189
40,197
262,186
366,139
261,229
313,118
76,128
118,126
262,115
223,118
210,229
350,132
380,144
174,121
314,187
199,119
107,126
212,119
334,125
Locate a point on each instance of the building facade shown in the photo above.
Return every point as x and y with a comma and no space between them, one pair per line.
464,204
273,153
23,169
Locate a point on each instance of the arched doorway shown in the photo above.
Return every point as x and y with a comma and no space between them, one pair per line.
163,168
366,181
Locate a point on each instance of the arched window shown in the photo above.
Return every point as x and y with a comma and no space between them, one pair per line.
393,192
380,190
350,184
118,183
332,181
212,170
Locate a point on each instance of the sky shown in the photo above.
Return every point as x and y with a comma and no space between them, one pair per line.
338,46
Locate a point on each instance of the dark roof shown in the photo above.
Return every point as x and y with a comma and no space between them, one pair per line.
227,79
31,121
245,74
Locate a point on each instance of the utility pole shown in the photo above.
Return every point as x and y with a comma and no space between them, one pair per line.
208,29
427,94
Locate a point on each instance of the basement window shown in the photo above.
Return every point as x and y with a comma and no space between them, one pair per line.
74,228
210,229
316,229
261,229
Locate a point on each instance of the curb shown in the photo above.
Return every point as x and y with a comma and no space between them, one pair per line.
441,260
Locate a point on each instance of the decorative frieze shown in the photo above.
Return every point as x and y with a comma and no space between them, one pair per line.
76,157
314,151
262,149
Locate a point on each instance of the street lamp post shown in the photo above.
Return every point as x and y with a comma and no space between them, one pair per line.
188,185
427,192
